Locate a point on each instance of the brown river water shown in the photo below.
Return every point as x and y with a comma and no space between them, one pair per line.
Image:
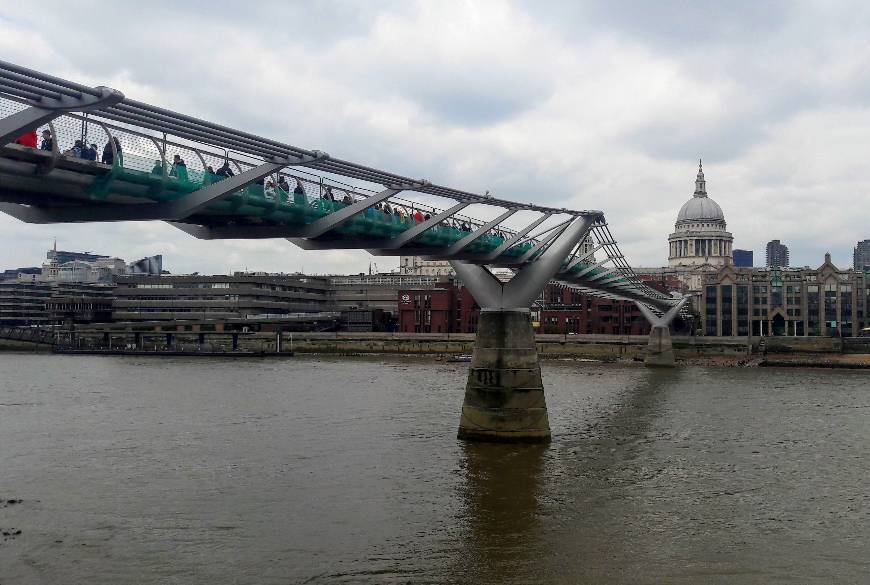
347,470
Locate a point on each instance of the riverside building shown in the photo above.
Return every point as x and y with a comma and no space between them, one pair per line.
825,301
170,298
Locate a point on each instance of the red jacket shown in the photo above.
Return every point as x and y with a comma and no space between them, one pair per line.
28,139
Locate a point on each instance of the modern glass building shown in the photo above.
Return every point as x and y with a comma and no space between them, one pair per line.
743,258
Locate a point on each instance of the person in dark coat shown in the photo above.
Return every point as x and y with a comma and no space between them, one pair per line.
179,168
225,171
108,156
47,141
90,152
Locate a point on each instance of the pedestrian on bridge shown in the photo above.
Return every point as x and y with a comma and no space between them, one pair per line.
225,171
299,193
76,150
109,153
47,141
179,168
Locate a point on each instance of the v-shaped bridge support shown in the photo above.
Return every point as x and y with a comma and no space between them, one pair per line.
504,394
660,351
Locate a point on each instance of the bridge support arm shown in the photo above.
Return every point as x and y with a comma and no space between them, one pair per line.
660,350
415,231
24,121
47,105
336,218
504,394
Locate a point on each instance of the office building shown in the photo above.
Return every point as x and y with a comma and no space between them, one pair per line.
861,256
24,303
743,258
194,297
776,255
825,301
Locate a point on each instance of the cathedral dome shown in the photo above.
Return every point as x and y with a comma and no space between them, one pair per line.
700,207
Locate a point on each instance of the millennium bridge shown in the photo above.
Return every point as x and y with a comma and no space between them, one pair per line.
213,182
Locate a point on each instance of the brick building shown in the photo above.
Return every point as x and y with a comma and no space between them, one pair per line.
448,307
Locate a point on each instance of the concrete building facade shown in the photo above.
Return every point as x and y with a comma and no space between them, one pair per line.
155,298
54,303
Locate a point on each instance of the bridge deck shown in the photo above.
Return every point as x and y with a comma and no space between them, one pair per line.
77,181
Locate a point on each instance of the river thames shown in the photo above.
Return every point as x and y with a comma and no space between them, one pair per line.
347,470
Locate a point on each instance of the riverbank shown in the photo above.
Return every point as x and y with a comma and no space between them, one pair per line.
708,351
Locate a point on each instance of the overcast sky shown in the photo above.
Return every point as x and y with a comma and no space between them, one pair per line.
603,105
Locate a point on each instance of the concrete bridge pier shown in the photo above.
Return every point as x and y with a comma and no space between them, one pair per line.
504,395
660,350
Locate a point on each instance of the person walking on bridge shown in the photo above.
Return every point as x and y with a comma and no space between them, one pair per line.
179,168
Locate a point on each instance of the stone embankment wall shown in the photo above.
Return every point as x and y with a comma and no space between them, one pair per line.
602,347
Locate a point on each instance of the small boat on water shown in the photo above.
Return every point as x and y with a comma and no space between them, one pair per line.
462,357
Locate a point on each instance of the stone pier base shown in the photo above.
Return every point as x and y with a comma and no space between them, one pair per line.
504,396
660,351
